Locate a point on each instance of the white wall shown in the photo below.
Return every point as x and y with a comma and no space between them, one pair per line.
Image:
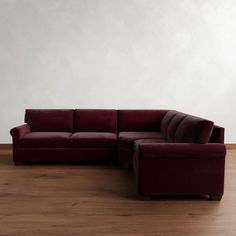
118,54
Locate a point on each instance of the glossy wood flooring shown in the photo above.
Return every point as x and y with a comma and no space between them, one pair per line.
69,200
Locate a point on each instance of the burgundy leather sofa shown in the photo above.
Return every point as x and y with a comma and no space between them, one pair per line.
171,152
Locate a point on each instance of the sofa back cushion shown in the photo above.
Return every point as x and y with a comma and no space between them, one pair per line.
140,120
95,120
173,125
166,120
53,120
193,129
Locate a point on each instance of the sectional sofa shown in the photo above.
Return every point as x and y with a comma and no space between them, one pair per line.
171,152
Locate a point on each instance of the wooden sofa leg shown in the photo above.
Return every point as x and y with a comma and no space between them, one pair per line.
216,197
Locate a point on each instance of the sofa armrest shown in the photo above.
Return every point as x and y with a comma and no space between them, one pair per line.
182,150
20,131
218,134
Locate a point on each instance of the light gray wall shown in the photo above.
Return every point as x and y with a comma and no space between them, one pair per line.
118,54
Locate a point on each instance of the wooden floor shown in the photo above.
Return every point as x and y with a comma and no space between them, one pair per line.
42,200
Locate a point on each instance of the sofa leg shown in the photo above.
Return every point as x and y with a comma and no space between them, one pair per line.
215,197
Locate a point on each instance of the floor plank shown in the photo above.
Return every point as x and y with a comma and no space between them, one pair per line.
50,200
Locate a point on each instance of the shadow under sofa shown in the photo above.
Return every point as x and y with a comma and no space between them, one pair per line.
165,147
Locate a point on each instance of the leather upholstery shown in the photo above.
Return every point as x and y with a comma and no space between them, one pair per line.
95,120
53,120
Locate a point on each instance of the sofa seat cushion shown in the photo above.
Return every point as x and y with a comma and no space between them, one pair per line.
45,140
93,139
126,139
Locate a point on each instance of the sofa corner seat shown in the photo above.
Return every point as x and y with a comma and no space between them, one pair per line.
134,125
187,164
